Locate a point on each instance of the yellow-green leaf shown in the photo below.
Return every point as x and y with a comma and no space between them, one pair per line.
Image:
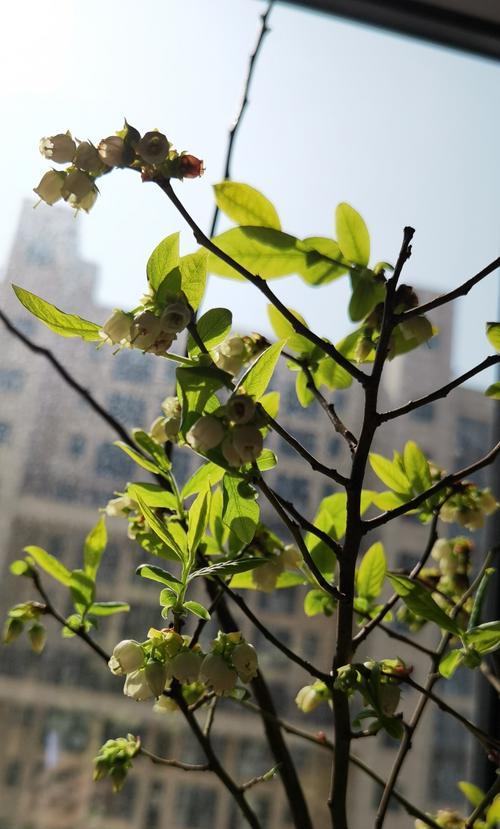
245,205
66,325
352,235
493,334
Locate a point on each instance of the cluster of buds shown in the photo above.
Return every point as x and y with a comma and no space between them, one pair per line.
235,352
417,328
445,818
148,328
115,759
378,684
166,427
469,507
149,667
310,696
26,615
234,427
151,154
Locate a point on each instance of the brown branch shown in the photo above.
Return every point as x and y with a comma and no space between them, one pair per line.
383,417
243,104
448,480
176,764
462,290
330,411
334,546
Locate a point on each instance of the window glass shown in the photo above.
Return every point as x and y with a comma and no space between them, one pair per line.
11,379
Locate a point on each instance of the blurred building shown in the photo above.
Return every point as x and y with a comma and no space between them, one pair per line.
59,466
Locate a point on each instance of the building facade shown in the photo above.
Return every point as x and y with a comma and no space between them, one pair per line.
59,466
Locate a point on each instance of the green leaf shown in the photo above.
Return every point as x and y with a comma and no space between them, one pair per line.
82,589
366,294
155,496
66,325
157,526
388,500
163,260
270,402
108,608
151,447
19,567
264,251
227,568
390,474
352,235
420,601
245,205
330,374
371,573
244,581
197,385
139,459
93,548
416,467
473,793
484,638
50,564
193,268
302,390
281,327
212,328
240,514
324,261
208,474
198,518
450,663
493,814
266,460
317,601
154,573
493,334
493,391
256,380
198,610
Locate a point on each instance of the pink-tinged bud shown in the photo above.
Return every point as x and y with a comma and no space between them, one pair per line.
50,187
175,317
153,147
137,687
126,658
117,327
240,408
77,186
389,696
59,148
88,159
206,434
114,152
244,659
190,167
186,666
216,672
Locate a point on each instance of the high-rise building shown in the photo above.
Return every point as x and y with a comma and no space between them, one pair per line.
59,466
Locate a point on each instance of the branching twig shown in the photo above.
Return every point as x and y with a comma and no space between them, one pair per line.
334,546
330,411
176,764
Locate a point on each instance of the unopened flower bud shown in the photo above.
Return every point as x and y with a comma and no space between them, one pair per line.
146,329
77,186
171,408
87,202
50,187
164,705
244,659
206,434
240,408
137,687
88,159
230,355
190,166
363,349
12,629
156,676
441,549
487,502
59,148
186,666
127,657
37,636
470,518
389,696
308,698
216,672
153,147
119,507
242,445
114,152
173,643
448,513
157,430
175,317
117,327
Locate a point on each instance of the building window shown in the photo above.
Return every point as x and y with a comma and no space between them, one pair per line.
112,462
450,753
5,430
195,807
11,379
76,445
127,409
293,488
132,366
424,414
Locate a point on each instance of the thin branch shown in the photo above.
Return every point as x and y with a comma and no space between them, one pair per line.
490,677
294,529
316,465
260,284
366,629
212,705
176,764
244,103
383,417
483,805
261,778
330,410
69,380
307,525
462,290
448,480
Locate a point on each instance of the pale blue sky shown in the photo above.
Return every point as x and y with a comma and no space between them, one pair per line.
407,133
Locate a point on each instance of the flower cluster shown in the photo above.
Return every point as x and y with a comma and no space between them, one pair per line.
234,427
235,352
26,615
416,330
152,154
445,818
149,328
115,759
469,507
149,667
378,684
166,427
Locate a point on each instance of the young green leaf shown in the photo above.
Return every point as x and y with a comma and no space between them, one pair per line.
240,514
371,573
208,474
451,662
193,269
324,260
420,601
66,325
317,601
157,497
82,589
139,459
154,573
227,568
198,520
484,638
94,546
493,334
108,608
244,581
416,467
390,474
50,564
212,328
198,610
270,402
156,525
366,294
352,235
473,793
281,327
164,259
302,390
256,380
493,391
262,250
245,205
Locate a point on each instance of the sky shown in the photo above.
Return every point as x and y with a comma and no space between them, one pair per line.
406,132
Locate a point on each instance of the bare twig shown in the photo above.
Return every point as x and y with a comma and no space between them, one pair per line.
176,764
330,410
334,546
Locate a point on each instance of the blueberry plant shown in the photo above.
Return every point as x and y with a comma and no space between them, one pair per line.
211,530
